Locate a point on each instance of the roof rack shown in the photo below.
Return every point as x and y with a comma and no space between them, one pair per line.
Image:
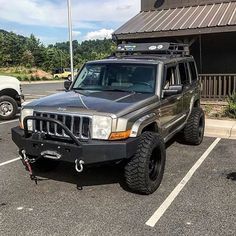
173,49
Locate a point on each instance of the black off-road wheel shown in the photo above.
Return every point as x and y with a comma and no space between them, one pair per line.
8,108
194,130
144,171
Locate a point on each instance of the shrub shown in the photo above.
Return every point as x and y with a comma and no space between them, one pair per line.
19,78
25,78
32,78
231,107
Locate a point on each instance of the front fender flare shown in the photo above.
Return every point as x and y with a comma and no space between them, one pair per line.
141,123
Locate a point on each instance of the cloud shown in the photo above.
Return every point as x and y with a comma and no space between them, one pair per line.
99,34
76,34
54,12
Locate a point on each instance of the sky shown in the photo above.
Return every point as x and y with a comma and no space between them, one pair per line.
47,19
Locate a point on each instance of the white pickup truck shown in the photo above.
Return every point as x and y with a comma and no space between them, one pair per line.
10,97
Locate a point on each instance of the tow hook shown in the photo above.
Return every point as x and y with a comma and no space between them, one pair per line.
26,161
79,165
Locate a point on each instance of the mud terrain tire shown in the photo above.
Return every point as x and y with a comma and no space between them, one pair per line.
144,171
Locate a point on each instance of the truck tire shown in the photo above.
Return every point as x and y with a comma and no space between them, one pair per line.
144,171
194,129
8,108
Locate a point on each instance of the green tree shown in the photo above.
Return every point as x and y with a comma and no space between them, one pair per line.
16,50
28,59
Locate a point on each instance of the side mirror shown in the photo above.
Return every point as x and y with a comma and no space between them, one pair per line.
173,90
67,84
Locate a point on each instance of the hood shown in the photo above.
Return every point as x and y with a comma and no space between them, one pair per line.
93,101
9,79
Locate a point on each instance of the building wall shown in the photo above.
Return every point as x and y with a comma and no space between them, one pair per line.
218,51
164,4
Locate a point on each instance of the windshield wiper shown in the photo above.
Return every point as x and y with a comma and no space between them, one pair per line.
118,90
79,89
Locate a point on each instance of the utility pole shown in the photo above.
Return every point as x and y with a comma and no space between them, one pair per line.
70,39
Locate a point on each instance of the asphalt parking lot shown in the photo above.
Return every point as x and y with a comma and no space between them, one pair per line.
96,202
35,91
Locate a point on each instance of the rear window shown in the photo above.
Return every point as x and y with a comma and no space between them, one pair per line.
184,77
193,71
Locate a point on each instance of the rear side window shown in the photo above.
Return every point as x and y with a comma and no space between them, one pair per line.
184,75
193,71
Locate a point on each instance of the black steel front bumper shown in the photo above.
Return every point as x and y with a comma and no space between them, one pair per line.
91,152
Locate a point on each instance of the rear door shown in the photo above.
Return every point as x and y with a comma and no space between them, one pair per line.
195,83
184,77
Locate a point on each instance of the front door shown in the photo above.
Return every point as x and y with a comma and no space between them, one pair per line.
171,111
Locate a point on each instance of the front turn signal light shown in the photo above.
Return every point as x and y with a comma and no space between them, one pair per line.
120,135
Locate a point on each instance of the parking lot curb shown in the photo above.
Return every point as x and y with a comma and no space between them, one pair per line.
220,129
42,82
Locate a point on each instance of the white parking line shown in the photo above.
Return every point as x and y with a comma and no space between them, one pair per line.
36,95
8,122
165,205
8,162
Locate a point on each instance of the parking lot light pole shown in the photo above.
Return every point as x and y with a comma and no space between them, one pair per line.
70,38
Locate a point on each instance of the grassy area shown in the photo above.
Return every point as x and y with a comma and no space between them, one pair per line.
25,74
221,110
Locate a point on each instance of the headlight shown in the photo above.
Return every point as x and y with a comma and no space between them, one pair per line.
101,127
24,113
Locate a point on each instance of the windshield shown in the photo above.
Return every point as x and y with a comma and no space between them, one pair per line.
138,78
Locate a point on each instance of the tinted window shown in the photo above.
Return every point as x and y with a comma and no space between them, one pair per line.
171,78
183,74
193,71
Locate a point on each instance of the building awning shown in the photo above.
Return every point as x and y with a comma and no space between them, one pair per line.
204,19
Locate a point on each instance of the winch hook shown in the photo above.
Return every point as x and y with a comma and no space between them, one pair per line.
26,162
80,163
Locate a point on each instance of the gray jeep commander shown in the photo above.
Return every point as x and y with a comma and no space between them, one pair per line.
119,110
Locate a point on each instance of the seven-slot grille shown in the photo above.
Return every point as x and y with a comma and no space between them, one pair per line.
78,125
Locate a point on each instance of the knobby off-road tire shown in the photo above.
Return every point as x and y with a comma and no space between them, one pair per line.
194,130
8,103
144,171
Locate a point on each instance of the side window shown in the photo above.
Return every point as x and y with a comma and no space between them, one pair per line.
184,75
171,77
193,71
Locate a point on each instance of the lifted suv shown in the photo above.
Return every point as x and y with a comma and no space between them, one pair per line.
121,109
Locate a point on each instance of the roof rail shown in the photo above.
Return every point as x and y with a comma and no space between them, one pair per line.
173,49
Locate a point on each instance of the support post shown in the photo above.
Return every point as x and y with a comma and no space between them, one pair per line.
200,52
70,39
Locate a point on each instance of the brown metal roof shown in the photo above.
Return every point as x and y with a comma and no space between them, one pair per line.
181,21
